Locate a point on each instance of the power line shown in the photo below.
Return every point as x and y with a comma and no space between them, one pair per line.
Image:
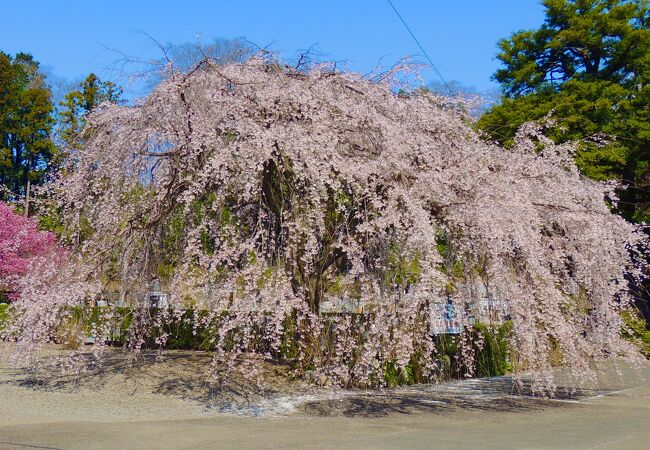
420,45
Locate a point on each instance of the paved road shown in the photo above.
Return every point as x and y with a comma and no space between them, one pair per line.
473,415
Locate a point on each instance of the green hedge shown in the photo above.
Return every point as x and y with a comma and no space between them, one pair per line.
492,358
4,314
181,333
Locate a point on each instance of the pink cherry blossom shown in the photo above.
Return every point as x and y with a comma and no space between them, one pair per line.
270,189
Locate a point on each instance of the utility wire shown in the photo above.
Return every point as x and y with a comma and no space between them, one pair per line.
420,45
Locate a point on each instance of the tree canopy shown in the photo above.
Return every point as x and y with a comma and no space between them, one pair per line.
588,67
256,192
80,102
26,122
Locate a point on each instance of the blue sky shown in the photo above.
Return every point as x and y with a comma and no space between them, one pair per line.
70,38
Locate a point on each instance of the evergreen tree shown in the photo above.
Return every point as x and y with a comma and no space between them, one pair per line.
26,120
80,102
588,66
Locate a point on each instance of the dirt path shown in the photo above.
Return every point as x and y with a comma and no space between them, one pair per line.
162,406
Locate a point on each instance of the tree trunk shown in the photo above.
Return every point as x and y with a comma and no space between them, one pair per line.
28,186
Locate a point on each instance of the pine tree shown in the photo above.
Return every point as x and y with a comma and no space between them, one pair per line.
79,103
588,66
26,121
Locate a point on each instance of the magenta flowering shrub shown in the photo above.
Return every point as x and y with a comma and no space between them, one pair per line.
38,277
255,192
22,245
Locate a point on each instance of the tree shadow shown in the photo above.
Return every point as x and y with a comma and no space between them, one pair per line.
177,373
185,375
492,394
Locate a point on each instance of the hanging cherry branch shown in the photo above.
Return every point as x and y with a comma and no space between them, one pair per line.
256,191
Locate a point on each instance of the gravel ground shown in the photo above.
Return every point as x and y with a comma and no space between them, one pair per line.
170,404
176,386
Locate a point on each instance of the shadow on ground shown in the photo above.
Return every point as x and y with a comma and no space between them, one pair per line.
184,375
500,394
181,374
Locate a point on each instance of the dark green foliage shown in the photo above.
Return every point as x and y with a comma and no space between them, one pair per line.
395,375
447,355
580,40
26,120
492,357
49,219
636,331
412,373
191,331
80,102
589,66
451,265
4,314
123,320
184,334
491,349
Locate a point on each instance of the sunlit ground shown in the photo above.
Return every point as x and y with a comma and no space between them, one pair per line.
163,404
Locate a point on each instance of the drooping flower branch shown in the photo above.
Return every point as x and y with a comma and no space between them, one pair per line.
256,192
40,280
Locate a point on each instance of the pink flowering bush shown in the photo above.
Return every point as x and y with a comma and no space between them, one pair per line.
257,193
22,244
39,279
